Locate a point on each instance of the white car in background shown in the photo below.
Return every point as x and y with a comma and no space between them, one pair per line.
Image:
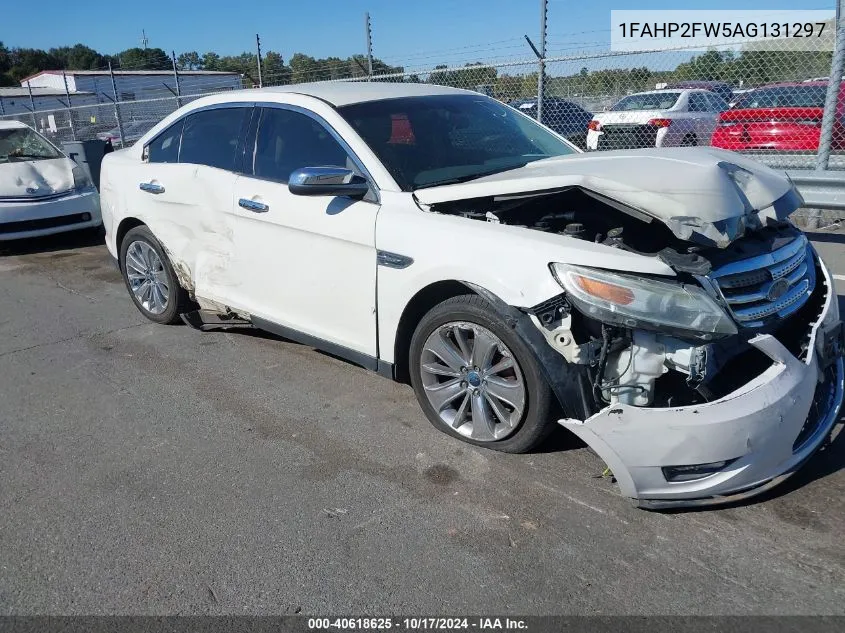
658,304
132,131
657,118
42,191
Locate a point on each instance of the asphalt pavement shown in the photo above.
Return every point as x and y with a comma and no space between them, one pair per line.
148,469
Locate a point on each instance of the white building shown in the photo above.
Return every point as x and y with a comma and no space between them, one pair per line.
17,101
135,84
144,97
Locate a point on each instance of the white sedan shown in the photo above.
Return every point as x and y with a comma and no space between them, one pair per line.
657,304
658,118
42,191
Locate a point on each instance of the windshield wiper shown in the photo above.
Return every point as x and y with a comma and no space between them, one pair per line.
468,177
10,156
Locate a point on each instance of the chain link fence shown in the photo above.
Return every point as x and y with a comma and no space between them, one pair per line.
766,101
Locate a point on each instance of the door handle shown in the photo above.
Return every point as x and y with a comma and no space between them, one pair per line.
151,187
252,205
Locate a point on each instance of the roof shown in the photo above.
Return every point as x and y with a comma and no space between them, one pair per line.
9,125
341,93
696,83
545,99
793,84
130,72
661,90
36,92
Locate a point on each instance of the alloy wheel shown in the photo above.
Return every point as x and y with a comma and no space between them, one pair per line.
147,277
473,381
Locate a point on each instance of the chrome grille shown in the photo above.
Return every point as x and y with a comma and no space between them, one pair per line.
768,286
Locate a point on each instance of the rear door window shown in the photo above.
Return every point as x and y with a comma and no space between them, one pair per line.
211,137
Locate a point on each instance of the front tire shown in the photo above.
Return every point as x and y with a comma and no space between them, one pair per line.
150,278
476,380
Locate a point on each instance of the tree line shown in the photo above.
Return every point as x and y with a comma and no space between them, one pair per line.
19,63
744,68
749,68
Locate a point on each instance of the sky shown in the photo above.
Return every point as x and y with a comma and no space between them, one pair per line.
412,33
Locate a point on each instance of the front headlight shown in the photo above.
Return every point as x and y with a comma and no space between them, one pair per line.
643,303
80,178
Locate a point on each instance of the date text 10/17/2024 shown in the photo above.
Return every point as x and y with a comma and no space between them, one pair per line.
417,624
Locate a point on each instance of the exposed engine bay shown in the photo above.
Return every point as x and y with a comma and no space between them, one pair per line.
765,282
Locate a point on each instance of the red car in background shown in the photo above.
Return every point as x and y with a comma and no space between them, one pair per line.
785,117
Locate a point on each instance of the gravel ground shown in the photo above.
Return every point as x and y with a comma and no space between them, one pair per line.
147,469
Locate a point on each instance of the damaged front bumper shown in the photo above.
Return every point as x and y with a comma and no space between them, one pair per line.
763,431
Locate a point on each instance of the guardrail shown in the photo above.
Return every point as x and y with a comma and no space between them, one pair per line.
787,162
820,189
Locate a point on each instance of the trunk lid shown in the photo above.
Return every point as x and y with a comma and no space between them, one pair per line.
629,117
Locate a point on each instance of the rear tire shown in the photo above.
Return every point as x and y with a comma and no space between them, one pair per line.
150,279
476,380
689,140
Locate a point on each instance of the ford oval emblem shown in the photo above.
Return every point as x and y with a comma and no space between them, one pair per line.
777,290
31,190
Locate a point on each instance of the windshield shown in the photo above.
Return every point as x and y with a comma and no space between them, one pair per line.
648,101
23,143
442,139
785,97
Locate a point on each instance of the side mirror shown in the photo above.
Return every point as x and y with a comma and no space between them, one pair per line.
327,181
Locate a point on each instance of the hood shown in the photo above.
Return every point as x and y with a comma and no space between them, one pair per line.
703,194
36,178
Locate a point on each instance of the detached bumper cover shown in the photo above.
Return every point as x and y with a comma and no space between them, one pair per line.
33,218
758,426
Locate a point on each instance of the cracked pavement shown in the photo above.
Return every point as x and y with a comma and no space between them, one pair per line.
149,469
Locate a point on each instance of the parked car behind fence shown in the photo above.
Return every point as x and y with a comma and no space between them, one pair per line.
657,118
783,117
132,131
565,117
724,90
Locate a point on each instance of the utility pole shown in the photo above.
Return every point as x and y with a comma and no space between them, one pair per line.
541,78
258,57
176,78
829,115
69,110
116,106
144,40
369,30
32,103
832,91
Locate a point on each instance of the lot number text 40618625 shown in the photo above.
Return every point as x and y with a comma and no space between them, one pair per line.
417,624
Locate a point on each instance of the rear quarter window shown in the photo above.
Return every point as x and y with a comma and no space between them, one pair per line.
652,101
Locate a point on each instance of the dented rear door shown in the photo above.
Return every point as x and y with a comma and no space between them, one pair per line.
184,194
